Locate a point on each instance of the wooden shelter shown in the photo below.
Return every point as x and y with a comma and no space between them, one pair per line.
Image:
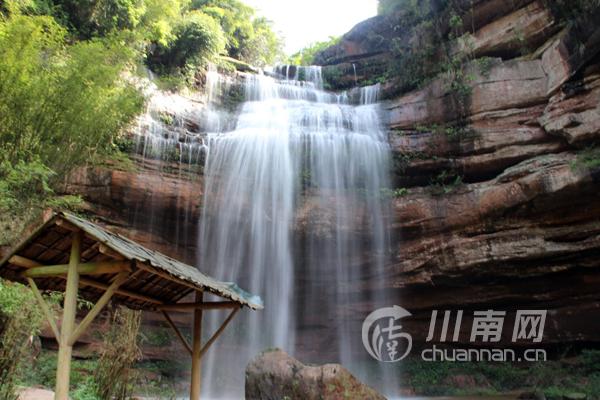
72,255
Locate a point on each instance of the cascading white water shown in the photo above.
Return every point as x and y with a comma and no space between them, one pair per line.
294,212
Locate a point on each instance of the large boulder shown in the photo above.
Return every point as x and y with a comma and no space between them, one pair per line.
274,375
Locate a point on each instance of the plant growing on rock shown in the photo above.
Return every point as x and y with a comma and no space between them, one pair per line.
445,182
588,158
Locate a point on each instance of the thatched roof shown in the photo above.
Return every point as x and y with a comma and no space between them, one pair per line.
155,280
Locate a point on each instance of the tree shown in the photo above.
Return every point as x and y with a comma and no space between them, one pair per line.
60,105
249,38
264,47
197,38
306,56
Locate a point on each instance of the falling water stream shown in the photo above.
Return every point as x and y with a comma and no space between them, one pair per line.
293,211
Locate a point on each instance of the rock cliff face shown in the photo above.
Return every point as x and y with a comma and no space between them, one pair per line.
499,202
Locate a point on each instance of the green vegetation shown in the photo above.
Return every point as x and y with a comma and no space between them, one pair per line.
306,56
554,379
428,32
68,91
61,105
19,319
588,158
114,378
198,37
445,182
157,337
452,132
394,193
42,372
569,10
173,37
248,38
332,77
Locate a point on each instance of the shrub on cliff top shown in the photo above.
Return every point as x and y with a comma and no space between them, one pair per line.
198,38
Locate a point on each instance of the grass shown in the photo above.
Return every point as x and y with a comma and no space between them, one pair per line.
555,379
154,379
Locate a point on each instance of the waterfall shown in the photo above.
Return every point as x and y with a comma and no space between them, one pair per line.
294,211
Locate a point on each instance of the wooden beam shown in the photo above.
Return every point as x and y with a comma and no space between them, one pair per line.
63,368
196,351
177,332
23,262
166,276
27,263
93,268
45,309
107,251
67,225
103,301
216,335
120,292
213,305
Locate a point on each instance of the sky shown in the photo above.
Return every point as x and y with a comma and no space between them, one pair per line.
302,22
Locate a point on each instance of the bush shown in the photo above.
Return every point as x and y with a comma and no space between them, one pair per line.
60,105
198,39
307,55
248,38
23,184
114,377
20,318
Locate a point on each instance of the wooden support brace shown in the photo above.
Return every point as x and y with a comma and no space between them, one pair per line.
104,249
45,309
95,268
216,335
214,305
67,225
93,313
177,332
23,262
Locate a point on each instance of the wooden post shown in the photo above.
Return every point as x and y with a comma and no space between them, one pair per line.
63,368
196,350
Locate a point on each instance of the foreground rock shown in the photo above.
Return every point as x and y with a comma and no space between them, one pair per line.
36,394
274,375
